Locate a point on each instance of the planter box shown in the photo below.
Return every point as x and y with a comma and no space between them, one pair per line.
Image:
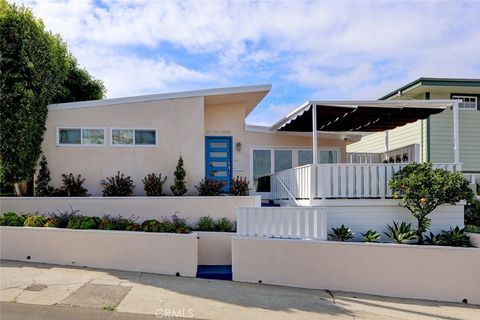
142,207
406,271
162,253
474,239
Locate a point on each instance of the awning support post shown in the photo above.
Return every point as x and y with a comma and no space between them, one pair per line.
456,133
314,133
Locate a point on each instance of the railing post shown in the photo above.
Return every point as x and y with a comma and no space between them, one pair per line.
312,177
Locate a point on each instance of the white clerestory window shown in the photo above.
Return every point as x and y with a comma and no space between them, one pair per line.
80,136
467,102
134,137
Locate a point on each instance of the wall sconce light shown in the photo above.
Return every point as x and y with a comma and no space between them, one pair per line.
238,146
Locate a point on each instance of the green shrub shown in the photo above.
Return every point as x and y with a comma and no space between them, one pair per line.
12,219
432,239
180,224
472,213
341,234
83,222
422,189
224,225
153,184
117,186
179,184
208,187
60,219
35,220
42,183
402,233
239,186
106,223
151,225
205,223
72,186
454,237
472,229
133,226
371,236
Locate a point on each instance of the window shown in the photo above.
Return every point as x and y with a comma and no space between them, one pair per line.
81,136
283,160
262,165
134,137
305,157
328,156
467,102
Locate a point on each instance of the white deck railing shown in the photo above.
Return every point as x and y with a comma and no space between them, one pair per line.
285,222
345,180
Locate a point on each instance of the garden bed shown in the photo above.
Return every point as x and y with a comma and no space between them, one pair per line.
396,270
163,253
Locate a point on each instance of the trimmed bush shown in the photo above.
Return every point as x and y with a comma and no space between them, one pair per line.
239,186
117,186
42,183
179,184
153,184
35,220
208,187
12,219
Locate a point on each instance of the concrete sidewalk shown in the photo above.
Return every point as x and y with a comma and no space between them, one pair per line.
150,294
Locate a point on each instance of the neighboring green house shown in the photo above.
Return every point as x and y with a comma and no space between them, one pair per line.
433,137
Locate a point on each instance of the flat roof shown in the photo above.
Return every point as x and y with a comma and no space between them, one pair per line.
163,96
359,115
444,82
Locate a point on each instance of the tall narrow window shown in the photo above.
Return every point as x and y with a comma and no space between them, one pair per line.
262,165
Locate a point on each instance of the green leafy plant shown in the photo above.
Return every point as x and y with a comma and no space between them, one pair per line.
472,212
205,223
454,237
12,219
402,233
153,184
60,219
432,239
151,225
341,234
106,223
371,236
35,220
181,225
133,226
208,187
42,183
117,186
422,189
83,222
472,229
179,184
224,225
72,186
36,69
239,186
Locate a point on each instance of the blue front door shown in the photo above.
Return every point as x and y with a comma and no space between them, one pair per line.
218,160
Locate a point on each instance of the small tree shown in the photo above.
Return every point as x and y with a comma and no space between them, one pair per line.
422,189
42,183
179,184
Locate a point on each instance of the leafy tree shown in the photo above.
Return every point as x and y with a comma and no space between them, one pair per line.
42,183
422,189
36,70
179,184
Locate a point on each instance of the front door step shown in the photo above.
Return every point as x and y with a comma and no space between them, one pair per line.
223,272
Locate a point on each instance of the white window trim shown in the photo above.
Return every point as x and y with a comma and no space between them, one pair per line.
58,144
460,97
134,145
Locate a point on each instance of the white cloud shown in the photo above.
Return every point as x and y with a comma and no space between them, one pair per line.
343,49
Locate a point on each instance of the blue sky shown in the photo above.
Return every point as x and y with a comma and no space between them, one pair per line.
306,50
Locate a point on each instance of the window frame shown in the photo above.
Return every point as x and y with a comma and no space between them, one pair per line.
81,144
458,96
134,145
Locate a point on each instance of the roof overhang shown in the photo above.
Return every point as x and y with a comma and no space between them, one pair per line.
250,95
362,116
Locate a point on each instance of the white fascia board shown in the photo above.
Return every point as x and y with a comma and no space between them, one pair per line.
161,96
